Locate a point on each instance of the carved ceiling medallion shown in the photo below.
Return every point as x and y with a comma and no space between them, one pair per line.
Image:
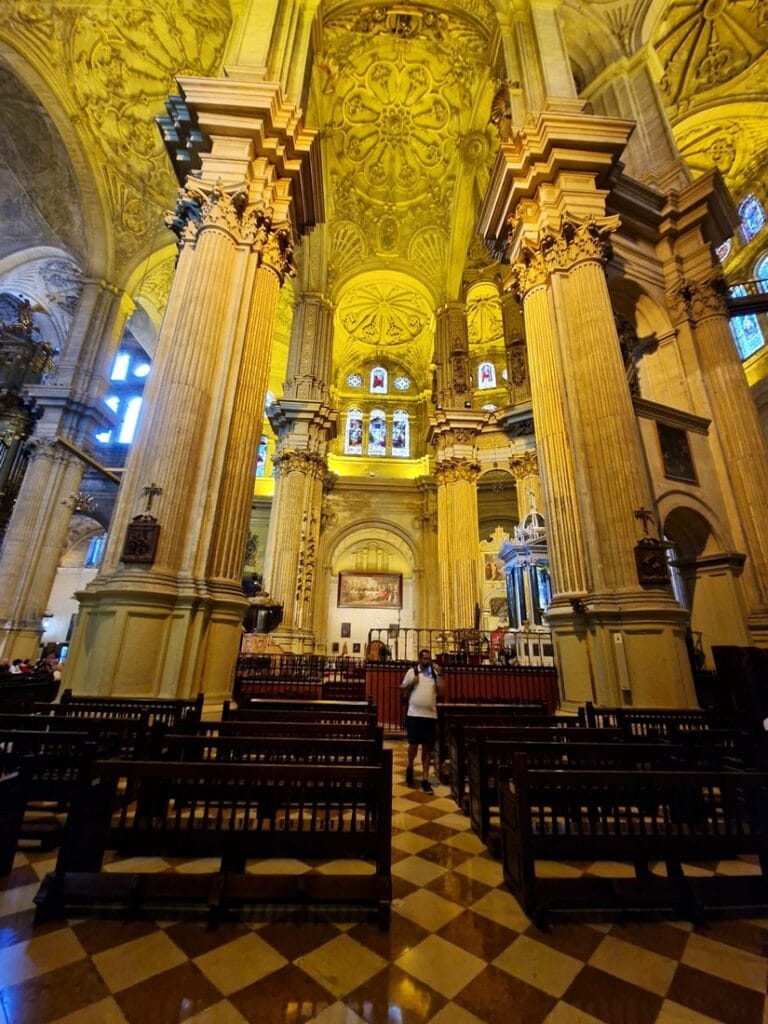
383,316
484,321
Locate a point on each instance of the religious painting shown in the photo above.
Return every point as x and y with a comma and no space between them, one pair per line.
493,568
676,454
370,590
346,629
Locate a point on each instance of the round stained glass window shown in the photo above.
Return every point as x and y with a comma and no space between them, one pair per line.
402,383
354,380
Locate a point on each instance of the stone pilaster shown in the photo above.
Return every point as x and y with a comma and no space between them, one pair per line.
454,387
174,626
525,469
515,350
309,356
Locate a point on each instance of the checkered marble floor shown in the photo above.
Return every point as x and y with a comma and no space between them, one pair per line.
460,951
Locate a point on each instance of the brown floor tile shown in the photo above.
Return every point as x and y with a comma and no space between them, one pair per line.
426,812
402,935
433,831
196,937
478,935
459,888
288,996
494,992
294,939
399,855
97,934
447,856
374,1001
715,997
742,934
575,940
53,995
610,999
657,937
169,997
401,888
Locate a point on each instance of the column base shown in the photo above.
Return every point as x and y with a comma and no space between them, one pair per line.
171,641
20,640
620,650
294,641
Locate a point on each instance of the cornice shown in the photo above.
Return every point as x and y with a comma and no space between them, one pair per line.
671,417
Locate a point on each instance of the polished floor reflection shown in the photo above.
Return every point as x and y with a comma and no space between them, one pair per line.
460,951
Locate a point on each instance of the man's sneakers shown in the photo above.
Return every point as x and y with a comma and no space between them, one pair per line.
426,786
409,775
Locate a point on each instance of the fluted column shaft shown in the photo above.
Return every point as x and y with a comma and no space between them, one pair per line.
565,531
458,542
309,355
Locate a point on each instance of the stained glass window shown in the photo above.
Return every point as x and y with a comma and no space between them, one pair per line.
504,374
378,381
752,217
402,383
723,251
130,419
261,456
353,433
269,399
377,433
141,369
489,407
486,375
120,366
401,441
761,273
745,329
354,380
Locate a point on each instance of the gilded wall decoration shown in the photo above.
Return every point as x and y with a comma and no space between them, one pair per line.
484,320
726,143
116,65
384,316
156,284
705,45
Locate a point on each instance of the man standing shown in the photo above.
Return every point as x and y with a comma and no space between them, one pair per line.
422,684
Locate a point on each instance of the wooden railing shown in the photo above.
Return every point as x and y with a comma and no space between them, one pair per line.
310,677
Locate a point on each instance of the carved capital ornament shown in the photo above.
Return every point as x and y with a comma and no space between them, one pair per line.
563,250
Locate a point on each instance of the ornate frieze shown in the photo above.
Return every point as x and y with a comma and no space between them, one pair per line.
562,250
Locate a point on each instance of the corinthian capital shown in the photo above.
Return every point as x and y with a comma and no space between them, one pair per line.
291,460
524,465
574,243
456,469
201,204
277,252
698,300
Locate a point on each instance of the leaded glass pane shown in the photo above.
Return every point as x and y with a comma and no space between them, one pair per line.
354,380
402,383
353,434
378,380
752,217
401,442
486,376
377,433
723,251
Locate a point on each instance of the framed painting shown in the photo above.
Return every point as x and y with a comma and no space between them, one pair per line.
676,454
370,590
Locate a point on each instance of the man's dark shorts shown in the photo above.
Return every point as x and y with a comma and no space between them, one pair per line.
421,730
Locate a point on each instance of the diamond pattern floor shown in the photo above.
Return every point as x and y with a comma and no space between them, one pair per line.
460,951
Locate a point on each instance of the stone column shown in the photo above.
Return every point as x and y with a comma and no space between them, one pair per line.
458,542
172,625
608,626
38,528
525,469
700,306
292,548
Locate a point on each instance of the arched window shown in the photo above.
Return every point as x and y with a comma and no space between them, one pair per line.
261,456
130,419
353,433
752,217
723,251
377,433
761,272
486,376
745,329
378,381
401,431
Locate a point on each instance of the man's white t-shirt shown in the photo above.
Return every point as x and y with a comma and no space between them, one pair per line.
423,700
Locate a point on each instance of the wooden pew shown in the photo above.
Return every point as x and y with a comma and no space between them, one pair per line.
261,749
171,713
316,711
588,815
18,693
113,737
11,815
289,728
234,813
532,729
650,722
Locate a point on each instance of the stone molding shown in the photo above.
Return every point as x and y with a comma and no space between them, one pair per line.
524,465
291,460
694,301
455,470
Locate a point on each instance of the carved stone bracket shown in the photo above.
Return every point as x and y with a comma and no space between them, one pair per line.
562,250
